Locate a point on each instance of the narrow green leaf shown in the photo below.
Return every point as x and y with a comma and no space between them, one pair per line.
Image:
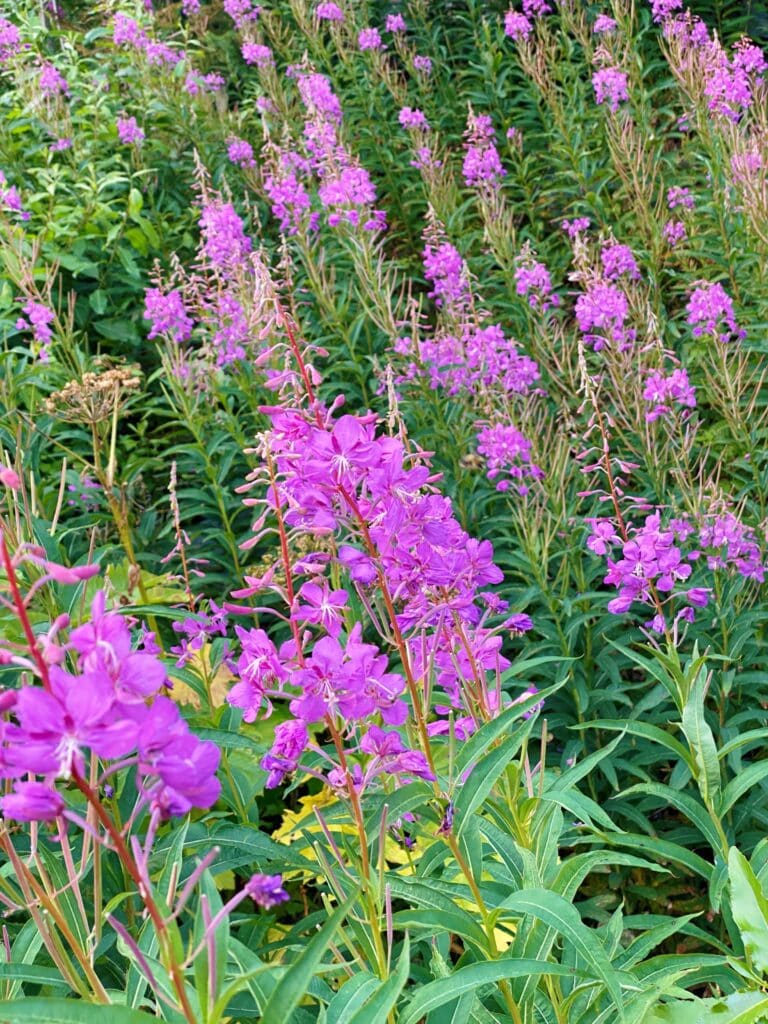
749,907
701,741
69,1011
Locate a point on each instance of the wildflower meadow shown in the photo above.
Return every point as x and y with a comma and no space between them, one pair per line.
384,512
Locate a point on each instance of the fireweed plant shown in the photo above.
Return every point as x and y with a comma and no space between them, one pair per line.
383,512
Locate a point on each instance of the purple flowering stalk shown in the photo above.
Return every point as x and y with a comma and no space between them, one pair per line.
63,730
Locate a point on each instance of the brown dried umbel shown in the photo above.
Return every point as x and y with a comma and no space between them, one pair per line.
96,396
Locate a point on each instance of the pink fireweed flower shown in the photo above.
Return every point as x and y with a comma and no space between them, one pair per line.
662,9
674,232
347,195
370,39
51,82
322,606
290,741
507,452
603,536
413,118
259,670
604,307
242,11
38,320
517,26
127,32
10,198
610,85
167,314
318,96
604,25
32,801
395,23
10,40
710,311
618,260
240,152
422,64
536,8
225,243
329,12
533,281
266,890
573,228
482,164
9,478
679,196
446,271
160,54
732,545
290,200
662,393
190,7
257,54
129,132
231,330
61,145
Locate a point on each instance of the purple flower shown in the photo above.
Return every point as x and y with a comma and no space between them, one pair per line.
679,196
266,890
290,742
10,40
51,81
422,64
610,85
533,281
32,801
412,118
258,54
329,12
127,32
507,452
369,39
10,198
259,668
178,771
573,228
603,536
618,260
604,307
482,164
242,11
661,392
662,9
446,271
39,319
710,311
167,315
240,152
395,23
731,544
604,25
224,241
321,606
129,132
674,232
519,623
517,26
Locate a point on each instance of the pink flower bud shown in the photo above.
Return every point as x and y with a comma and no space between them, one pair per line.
10,478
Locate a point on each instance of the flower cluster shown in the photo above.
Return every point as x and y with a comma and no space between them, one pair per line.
710,312
662,393
38,320
532,280
604,308
168,315
610,85
618,261
507,454
100,710
482,164
129,132
517,26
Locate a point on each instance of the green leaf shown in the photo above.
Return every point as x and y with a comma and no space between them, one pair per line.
561,915
749,907
69,1011
484,775
472,977
701,741
293,986
377,1008
738,1008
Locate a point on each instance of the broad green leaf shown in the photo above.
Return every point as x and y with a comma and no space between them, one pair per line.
69,1011
701,741
561,915
749,907
475,976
